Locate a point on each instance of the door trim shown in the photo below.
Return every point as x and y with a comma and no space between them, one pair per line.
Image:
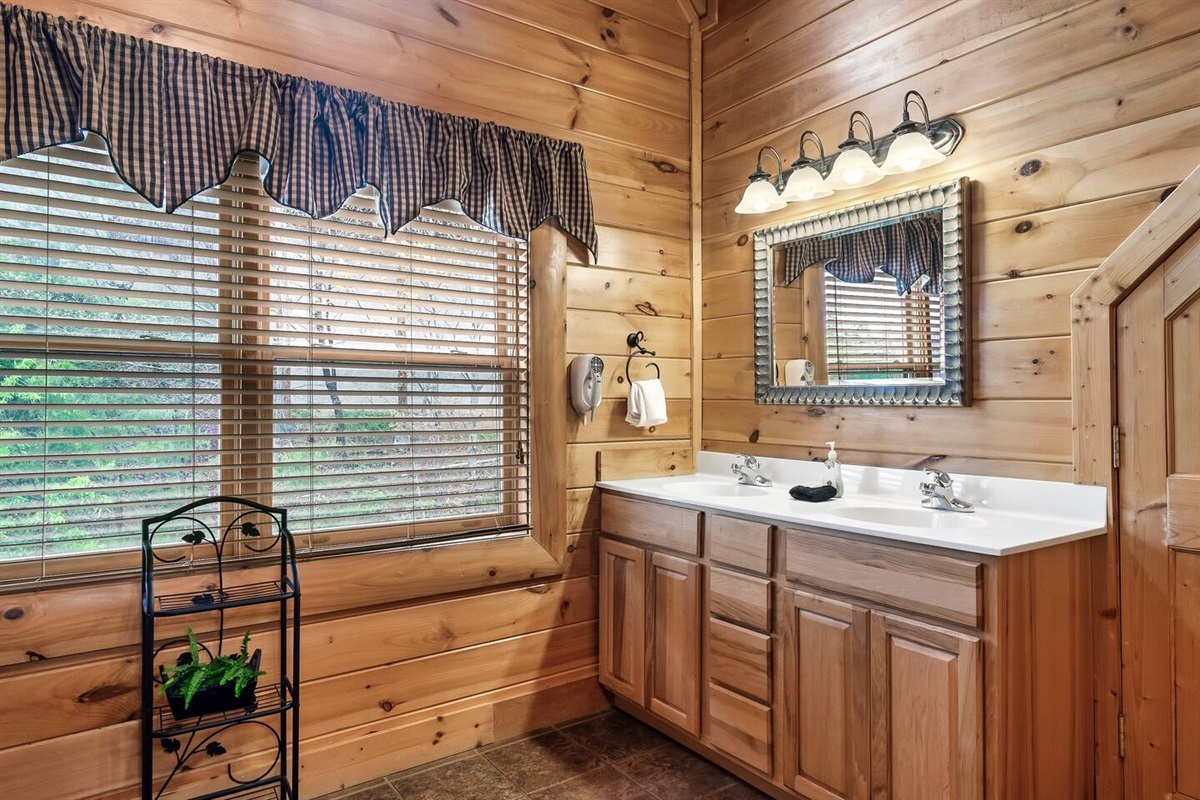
1093,413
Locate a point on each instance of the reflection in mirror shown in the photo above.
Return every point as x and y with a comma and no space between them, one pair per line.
864,305
861,305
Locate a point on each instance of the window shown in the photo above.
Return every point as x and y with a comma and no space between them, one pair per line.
873,335
373,386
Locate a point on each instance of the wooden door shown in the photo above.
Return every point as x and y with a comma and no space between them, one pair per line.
674,641
623,619
1158,491
827,687
926,712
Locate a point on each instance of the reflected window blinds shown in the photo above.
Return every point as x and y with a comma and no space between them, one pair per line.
373,386
872,335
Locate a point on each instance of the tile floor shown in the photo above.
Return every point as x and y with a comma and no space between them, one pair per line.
606,757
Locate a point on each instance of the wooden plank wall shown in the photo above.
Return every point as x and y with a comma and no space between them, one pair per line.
1079,116
408,680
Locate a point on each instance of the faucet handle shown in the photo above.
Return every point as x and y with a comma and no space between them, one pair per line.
940,478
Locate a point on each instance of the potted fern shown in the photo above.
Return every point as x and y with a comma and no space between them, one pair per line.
225,683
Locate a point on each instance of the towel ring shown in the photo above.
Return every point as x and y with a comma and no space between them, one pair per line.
634,340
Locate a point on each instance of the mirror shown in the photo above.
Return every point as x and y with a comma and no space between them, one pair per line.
865,305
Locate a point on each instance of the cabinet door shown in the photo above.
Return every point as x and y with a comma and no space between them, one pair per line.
926,710
623,619
674,641
827,687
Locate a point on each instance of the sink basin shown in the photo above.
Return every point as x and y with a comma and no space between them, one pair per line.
908,517
716,489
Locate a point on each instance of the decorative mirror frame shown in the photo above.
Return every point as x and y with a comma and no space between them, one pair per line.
953,198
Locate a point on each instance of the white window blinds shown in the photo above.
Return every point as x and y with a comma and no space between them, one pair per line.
874,335
376,388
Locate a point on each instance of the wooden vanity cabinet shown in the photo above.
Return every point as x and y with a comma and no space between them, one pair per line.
902,714
841,667
879,705
926,711
826,741
650,615
673,641
623,619
656,633
738,647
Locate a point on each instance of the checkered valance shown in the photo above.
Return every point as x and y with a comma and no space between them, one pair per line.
906,250
175,120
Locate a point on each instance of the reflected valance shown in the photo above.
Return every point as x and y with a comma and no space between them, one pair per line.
174,121
906,249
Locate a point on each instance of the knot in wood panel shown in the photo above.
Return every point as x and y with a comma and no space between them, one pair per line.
104,692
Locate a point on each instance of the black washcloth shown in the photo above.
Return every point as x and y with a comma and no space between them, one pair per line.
812,494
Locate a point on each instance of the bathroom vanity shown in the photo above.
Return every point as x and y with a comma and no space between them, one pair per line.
864,647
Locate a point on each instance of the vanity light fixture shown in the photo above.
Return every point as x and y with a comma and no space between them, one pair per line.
912,149
854,166
911,146
806,181
762,195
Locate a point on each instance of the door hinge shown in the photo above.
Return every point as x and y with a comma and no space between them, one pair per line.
1116,446
1121,735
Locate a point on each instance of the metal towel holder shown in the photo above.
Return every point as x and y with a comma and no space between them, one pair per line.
634,340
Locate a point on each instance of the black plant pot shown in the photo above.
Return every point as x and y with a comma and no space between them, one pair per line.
215,699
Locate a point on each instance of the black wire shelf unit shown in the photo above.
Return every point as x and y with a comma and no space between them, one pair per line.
209,532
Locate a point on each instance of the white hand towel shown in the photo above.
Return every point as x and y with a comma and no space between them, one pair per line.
647,404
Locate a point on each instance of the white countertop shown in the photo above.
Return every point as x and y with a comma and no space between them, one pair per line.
1012,515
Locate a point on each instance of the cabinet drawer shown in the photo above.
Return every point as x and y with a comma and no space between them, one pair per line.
740,598
652,523
739,659
738,543
740,727
935,585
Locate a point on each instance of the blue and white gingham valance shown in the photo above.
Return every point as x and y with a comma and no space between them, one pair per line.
175,121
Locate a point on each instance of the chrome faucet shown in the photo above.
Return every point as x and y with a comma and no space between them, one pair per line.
746,469
939,493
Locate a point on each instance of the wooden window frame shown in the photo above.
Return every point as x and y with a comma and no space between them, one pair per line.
541,552
43,622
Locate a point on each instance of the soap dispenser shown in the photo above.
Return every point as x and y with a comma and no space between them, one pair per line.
834,471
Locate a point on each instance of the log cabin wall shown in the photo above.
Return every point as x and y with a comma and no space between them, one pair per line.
395,675
1080,115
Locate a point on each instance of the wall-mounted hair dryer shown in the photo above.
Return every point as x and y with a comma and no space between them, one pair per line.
587,373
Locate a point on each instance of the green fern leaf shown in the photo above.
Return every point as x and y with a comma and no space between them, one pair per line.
195,682
193,646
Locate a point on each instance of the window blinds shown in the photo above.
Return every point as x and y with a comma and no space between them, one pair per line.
375,387
873,335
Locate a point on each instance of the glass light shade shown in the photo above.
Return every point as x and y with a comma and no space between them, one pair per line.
805,183
909,152
760,197
853,167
